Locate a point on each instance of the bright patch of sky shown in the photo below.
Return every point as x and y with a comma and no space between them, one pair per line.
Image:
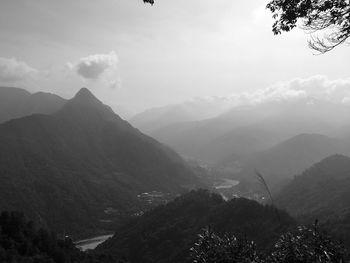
139,56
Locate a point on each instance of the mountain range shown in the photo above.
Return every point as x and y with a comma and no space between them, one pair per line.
196,109
251,128
66,168
280,163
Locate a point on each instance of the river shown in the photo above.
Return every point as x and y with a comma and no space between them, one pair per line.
91,243
226,184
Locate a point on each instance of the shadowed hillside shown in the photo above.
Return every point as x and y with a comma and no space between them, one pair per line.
166,233
322,192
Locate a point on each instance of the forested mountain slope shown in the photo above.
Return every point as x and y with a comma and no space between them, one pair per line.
322,193
65,169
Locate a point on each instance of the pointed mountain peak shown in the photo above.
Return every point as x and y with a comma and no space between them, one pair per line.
85,106
84,94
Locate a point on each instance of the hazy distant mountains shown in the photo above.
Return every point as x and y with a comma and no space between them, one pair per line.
281,162
280,138
261,126
66,168
153,119
16,103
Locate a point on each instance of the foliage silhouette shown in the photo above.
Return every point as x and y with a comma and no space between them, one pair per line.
329,17
301,246
212,248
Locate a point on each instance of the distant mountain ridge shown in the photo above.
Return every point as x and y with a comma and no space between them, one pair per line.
17,103
214,140
68,167
196,109
291,157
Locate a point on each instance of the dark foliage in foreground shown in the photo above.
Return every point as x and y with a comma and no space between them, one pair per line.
330,15
303,245
21,241
315,16
212,248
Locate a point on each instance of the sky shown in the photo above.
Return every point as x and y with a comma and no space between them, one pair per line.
134,56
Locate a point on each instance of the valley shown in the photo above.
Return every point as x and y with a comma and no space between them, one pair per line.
103,176
177,131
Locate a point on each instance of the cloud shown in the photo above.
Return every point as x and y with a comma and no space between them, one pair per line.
95,66
316,87
12,70
271,94
320,87
97,70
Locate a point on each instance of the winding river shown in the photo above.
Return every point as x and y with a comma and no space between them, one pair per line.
226,184
91,243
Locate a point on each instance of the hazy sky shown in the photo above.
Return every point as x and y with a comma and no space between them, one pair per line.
140,56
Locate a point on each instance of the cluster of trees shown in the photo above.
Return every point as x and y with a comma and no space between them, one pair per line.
21,241
303,245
